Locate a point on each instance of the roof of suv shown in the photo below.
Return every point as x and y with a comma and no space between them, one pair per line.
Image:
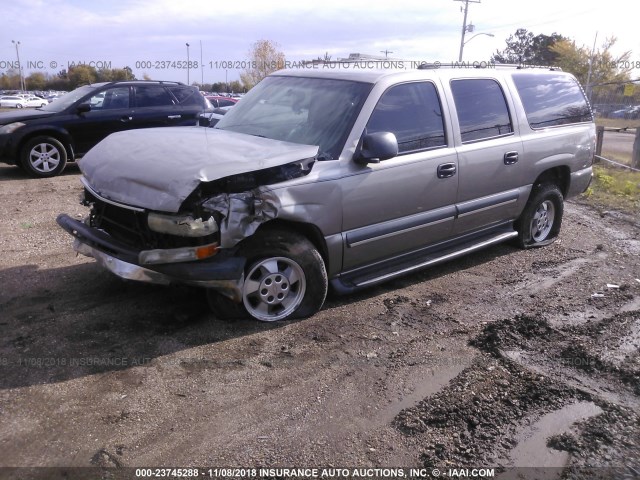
348,71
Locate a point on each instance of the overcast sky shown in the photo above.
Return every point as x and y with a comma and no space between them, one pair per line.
120,33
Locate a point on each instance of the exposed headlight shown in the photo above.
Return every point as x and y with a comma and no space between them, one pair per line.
181,225
11,127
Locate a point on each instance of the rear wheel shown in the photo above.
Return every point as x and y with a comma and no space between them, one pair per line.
285,278
541,219
43,156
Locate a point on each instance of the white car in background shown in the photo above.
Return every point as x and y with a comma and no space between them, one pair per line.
12,101
35,102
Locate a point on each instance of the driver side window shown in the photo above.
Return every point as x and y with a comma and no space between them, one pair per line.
412,112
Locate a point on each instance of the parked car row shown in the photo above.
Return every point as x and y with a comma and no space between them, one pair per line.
629,112
11,101
218,101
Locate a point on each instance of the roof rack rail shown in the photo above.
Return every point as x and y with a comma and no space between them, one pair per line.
521,66
484,64
161,82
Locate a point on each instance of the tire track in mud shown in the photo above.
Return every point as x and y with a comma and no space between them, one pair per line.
381,378
571,352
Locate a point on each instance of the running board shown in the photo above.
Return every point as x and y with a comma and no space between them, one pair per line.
390,269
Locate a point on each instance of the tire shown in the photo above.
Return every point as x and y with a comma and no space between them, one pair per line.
18,105
285,279
540,222
43,157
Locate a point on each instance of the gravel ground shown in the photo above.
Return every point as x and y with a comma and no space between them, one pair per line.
503,359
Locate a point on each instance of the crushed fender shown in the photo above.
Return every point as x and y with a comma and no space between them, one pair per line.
242,213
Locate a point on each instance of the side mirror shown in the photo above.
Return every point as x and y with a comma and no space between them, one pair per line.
378,146
83,108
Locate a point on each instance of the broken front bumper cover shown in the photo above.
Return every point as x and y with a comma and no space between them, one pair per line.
222,272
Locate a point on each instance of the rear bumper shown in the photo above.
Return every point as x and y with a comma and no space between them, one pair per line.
222,272
579,182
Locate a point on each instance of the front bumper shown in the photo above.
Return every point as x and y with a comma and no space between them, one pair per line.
6,153
222,272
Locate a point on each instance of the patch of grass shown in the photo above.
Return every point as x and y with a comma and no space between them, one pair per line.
615,188
617,156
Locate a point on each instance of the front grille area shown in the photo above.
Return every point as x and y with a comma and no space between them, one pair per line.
130,227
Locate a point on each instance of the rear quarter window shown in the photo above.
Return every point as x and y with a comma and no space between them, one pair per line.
552,100
153,96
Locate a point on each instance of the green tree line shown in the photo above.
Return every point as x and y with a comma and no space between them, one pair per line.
65,80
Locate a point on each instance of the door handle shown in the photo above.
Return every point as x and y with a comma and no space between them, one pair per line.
126,119
510,158
173,117
446,170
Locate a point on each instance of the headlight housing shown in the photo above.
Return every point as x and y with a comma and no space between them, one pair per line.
11,127
181,225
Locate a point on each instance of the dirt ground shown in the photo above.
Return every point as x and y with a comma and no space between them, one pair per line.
506,358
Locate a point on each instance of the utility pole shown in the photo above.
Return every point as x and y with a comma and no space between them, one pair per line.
201,66
465,9
187,64
22,86
593,51
386,53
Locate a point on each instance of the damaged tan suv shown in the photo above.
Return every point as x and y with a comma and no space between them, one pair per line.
335,177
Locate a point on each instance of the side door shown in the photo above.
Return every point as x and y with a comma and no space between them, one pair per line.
489,154
110,112
406,202
154,106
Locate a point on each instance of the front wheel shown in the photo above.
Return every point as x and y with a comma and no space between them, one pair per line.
44,157
285,279
540,222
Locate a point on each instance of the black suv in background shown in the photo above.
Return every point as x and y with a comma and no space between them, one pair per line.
41,141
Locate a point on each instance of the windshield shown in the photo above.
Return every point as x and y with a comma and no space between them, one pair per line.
68,99
310,111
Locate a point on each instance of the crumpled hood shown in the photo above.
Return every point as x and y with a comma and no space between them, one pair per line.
157,168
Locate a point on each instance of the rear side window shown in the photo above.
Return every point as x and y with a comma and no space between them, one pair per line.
153,96
551,100
112,98
412,112
482,109
188,96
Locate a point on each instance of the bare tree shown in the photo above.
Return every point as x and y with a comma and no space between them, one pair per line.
264,58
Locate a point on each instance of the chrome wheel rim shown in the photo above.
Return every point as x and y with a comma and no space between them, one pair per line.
273,289
542,221
44,157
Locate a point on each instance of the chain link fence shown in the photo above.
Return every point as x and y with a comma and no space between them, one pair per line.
616,100
616,106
